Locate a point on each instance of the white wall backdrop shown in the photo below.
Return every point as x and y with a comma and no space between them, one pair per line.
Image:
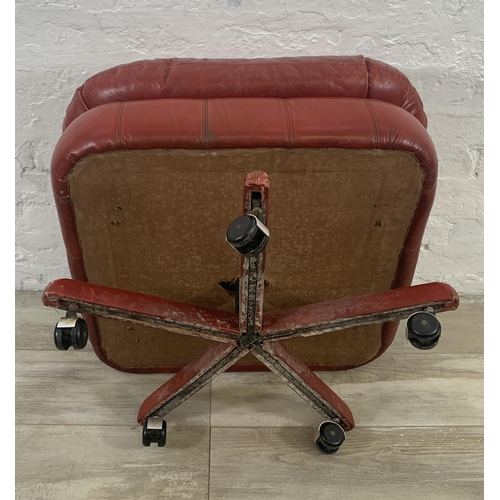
438,44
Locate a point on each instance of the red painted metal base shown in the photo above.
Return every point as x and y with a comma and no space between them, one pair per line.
250,330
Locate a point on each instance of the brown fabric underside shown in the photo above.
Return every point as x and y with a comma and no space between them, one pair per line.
154,221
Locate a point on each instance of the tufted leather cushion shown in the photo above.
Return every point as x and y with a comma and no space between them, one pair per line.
284,78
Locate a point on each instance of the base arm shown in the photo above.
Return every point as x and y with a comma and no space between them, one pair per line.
305,383
139,308
193,377
391,305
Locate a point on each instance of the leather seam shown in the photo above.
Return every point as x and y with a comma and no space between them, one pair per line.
368,79
374,123
204,126
288,122
80,91
118,126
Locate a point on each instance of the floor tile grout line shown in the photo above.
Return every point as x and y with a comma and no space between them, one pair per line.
209,461
357,427
54,350
209,440
210,405
123,426
388,353
173,426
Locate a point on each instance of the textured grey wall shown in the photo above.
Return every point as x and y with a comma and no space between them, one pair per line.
439,45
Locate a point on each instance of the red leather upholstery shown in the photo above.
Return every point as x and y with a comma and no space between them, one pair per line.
283,78
228,123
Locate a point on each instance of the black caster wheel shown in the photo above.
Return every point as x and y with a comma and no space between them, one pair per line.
79,334
62,338
331,436
248,235
154,430
71,332
423,330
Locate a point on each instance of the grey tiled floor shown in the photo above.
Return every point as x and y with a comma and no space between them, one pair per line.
419,431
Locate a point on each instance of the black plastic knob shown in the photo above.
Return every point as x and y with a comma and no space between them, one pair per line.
423,330
247,235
